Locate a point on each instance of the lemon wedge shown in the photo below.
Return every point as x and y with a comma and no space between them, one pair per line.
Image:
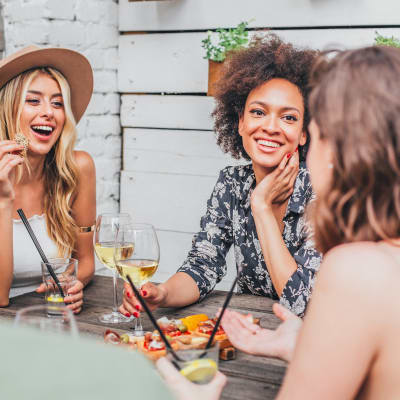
55,298
200,371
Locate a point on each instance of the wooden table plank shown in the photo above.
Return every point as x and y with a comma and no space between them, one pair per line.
249,377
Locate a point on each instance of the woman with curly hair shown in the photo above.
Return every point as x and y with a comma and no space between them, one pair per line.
261,115
43,94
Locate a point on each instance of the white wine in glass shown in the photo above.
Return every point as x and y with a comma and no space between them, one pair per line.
142,264
140,271
107,226
105,252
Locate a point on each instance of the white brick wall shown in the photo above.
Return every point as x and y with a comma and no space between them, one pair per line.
91,27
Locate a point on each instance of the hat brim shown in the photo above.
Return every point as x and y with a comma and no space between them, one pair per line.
72,65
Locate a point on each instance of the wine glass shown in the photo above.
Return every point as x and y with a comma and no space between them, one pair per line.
106,229
62,321
142,263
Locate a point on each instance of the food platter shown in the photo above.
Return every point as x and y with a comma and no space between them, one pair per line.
192,332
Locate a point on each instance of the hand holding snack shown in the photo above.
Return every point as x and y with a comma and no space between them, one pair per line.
184,389
154,295
253,339
8,161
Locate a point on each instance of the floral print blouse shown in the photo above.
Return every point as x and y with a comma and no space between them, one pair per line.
229,221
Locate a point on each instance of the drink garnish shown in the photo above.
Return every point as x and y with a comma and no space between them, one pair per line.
200,370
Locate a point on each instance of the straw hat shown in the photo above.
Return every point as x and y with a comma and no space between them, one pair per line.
73,65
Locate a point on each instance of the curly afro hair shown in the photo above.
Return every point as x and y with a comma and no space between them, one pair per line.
266,58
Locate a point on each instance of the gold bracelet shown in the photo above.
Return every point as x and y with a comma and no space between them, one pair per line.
85,229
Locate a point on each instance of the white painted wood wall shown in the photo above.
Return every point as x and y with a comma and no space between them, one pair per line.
170,159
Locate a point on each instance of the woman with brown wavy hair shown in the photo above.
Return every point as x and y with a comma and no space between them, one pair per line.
43,94
348,345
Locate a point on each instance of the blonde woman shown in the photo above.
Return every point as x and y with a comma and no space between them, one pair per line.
43,94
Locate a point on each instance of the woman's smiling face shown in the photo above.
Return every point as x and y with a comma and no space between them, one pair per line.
43,116
272,122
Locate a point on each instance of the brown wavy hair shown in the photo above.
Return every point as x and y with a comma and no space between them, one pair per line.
356,105
266,58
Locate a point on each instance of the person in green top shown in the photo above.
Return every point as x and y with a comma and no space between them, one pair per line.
43,366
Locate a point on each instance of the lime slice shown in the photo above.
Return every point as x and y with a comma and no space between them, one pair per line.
200,371
55,298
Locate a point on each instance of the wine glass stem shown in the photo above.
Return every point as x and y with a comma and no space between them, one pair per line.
138,325
115,276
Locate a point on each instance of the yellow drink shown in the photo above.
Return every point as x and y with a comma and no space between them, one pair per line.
54,298
140,271
105,252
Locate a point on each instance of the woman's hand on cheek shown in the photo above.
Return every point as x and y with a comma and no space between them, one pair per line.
184,389
277,186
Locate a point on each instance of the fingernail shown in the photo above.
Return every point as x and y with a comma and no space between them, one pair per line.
127,314
297,148
137,307
128,294
144,292
136,314
288,155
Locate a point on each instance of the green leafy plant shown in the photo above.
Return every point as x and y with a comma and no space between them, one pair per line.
228,40
386,41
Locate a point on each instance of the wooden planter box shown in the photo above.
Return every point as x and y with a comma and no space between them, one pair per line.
214,73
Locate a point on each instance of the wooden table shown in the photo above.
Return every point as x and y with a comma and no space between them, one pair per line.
249,377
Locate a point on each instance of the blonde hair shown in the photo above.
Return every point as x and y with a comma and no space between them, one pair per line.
356,105
60,173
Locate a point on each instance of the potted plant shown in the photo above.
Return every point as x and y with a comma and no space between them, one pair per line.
386,41
218,47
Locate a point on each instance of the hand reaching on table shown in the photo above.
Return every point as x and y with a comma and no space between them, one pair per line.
74,297
154,295
184,389
253,339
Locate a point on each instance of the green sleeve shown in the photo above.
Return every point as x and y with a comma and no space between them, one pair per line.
36,365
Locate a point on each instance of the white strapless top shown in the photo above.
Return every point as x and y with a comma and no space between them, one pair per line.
27,269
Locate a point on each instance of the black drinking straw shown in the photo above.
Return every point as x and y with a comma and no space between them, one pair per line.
227,300
39,249
153,320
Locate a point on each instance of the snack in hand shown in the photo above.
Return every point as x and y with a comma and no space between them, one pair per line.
23,141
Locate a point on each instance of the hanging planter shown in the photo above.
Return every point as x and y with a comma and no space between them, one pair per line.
227,40
214,73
